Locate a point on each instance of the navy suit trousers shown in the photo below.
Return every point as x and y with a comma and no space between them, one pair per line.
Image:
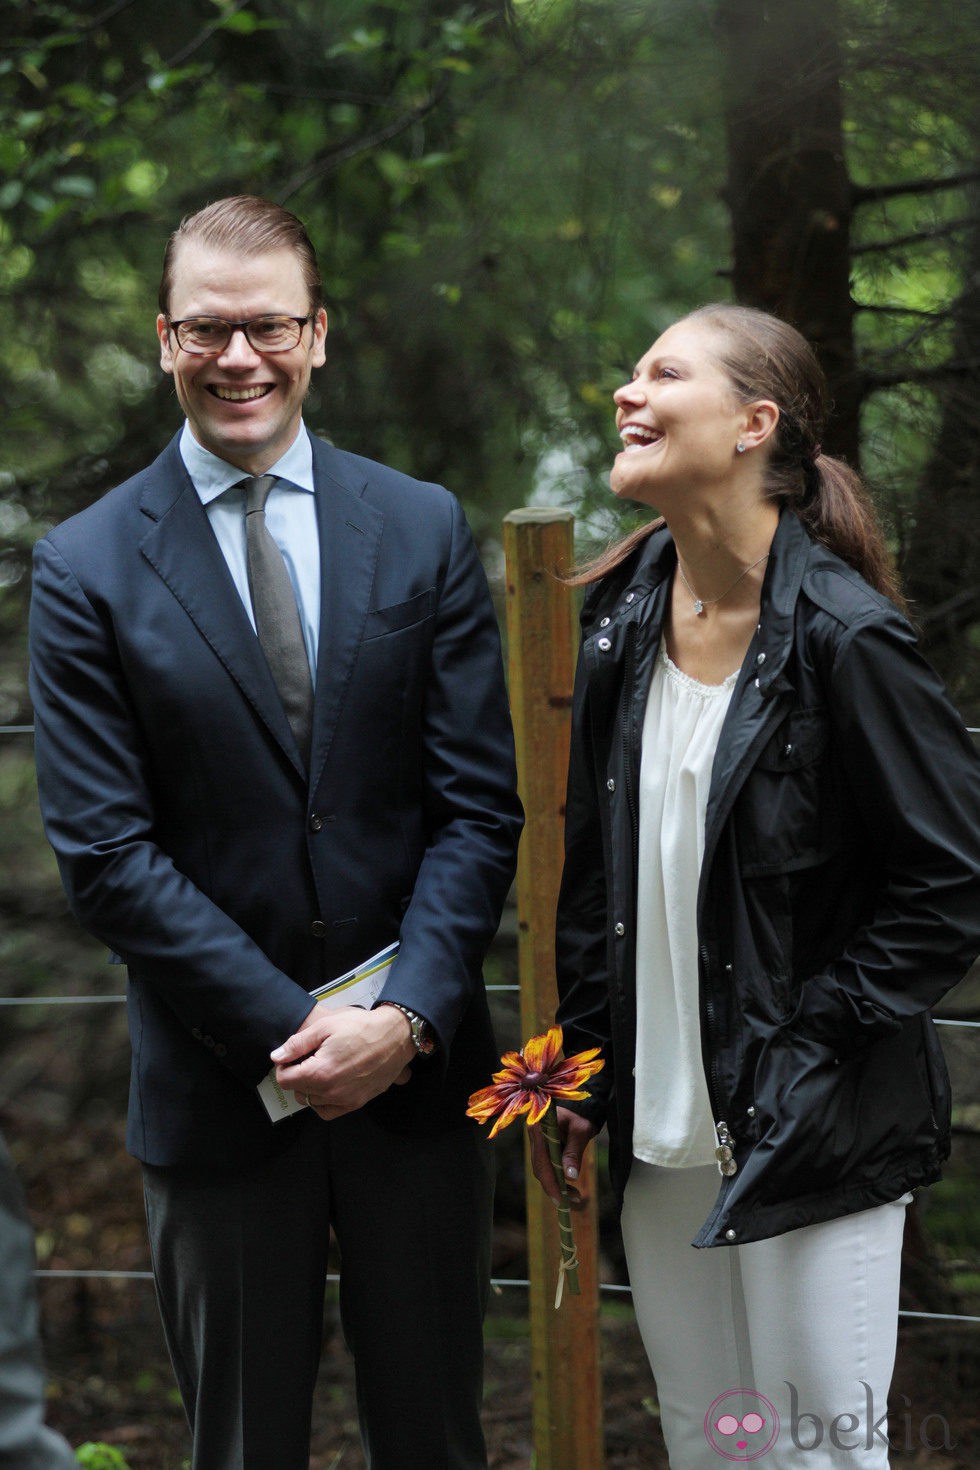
241,1260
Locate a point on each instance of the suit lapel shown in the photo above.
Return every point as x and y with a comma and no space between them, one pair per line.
180,545
350,543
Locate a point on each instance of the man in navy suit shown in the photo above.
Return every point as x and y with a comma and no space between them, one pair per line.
235,855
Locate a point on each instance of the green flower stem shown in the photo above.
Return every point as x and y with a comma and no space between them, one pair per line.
569,1266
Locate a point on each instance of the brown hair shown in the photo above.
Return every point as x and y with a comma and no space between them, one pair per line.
766,358
246,225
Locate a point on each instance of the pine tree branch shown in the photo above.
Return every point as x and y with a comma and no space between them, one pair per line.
916,237
874,193
867,309
873,380
328,163
958,611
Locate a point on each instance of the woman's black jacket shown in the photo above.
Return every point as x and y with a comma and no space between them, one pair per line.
839,894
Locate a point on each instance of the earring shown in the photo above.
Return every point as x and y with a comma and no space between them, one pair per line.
740,447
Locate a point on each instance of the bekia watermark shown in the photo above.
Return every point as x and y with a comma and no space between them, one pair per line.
742,1425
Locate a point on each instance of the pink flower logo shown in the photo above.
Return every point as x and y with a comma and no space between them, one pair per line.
741,1425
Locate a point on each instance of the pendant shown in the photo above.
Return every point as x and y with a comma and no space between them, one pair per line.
698,607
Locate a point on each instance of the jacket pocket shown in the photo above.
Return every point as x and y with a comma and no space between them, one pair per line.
788,812
829,1122
399,615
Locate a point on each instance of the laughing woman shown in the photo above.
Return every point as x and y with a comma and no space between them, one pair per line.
772,872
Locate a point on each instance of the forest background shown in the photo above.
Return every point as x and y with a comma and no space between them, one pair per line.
511,198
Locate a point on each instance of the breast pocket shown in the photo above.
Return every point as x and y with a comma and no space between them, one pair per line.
788,813
400,615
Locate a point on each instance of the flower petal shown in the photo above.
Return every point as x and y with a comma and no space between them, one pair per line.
538,1106
518,1104
485,1104
541,1052
576,1070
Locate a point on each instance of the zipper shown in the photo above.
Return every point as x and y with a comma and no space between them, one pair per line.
725,1152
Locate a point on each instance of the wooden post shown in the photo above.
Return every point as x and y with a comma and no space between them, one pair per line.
541,629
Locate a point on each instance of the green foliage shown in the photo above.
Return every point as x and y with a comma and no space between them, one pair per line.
505,209
953,1213
911,77
510,199
99,1456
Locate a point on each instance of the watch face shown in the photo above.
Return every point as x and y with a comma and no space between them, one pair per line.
423,1036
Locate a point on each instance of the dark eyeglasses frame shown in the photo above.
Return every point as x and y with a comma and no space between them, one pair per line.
233,327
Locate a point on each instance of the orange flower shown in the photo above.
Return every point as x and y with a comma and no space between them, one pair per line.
528,1081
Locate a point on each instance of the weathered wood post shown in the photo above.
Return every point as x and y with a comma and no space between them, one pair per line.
541,630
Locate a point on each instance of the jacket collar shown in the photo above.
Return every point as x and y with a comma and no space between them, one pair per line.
788,558
179,545
629,595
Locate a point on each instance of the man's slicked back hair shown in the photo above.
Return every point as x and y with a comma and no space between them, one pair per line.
246,225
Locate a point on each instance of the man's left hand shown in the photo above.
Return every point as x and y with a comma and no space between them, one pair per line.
340,1058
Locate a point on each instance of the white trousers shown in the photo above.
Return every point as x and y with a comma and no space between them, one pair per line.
779,1351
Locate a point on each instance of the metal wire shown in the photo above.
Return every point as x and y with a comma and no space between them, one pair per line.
96,1000
497,1283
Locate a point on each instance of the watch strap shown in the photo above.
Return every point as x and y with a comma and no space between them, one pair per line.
423,1036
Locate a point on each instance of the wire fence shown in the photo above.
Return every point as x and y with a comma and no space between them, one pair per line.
499,1284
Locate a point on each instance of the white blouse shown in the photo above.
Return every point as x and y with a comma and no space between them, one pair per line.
673,1126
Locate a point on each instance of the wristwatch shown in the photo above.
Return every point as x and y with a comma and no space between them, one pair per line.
423,1036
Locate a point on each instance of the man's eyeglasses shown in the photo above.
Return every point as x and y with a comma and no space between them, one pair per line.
207,336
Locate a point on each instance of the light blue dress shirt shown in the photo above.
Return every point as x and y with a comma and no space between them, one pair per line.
290,515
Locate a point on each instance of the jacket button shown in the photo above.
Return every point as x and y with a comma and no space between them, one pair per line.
603,622
630,596
761,658
610,784
730,1235
788,750
751,1112
318,929
620,930
316,822
605,645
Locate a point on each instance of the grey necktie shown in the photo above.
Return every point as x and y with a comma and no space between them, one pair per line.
277,615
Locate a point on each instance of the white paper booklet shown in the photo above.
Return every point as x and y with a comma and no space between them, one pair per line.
359,987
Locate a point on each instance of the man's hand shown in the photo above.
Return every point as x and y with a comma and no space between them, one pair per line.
575,1134
340,1058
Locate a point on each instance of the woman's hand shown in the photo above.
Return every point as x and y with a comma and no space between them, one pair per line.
575,1133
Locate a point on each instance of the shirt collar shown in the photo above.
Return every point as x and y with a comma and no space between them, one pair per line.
212,476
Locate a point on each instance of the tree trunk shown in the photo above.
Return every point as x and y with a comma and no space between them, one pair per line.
788,189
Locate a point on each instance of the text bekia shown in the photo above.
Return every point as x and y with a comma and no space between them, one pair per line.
850,1432
742,1425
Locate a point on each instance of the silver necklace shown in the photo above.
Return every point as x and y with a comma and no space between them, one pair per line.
700,603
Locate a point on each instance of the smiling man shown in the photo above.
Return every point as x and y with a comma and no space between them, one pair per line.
272,740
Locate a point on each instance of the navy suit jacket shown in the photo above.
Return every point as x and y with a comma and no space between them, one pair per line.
191,840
